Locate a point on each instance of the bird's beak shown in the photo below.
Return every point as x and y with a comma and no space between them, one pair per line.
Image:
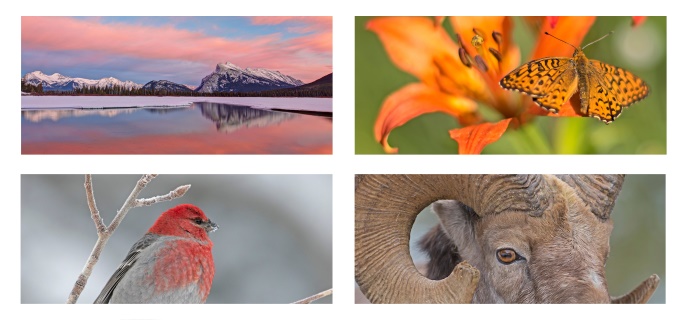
210,226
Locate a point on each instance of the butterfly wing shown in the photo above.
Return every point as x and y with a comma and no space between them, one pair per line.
611,89
551,81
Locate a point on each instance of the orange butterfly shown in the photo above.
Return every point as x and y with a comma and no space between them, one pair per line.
603,88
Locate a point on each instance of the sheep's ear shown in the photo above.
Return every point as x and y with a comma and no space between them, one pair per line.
457,221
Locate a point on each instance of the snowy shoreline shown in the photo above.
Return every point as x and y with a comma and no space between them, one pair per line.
112,102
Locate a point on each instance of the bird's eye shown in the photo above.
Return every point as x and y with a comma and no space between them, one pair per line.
507,255
197,220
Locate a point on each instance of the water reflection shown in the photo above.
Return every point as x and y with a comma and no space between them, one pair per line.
202,128
229,118
57,114
54,115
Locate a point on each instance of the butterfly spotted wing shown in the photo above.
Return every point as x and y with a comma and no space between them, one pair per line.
610,90
604,89
550,81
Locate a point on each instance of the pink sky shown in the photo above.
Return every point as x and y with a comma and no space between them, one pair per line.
296,46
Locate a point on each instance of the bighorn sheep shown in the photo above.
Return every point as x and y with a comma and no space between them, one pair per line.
501,239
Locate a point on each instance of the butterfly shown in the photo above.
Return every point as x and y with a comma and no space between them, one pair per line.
604,90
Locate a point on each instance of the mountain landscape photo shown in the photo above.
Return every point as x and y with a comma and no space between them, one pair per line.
176,85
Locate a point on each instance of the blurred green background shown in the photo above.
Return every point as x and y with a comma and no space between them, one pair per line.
637,243
641,129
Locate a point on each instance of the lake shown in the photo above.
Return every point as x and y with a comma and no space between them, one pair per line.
201,128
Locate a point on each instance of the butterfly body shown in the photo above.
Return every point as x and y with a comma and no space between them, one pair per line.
604,90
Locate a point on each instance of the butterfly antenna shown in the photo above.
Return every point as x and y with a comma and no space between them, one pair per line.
601,38
575,48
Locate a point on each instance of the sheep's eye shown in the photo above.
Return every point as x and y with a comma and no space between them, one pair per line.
197,220
507,256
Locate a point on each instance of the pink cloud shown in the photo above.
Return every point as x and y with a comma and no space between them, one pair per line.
324,23
307,57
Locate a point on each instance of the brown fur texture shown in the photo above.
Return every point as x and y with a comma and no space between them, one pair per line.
561,253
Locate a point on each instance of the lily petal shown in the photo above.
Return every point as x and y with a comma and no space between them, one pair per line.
473,139
412,43
571,108
411,101
417,46
570,29
637,21
552,21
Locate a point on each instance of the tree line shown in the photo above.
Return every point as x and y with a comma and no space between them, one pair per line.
117,90
30,88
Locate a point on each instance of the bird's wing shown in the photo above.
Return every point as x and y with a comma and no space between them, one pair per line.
128,262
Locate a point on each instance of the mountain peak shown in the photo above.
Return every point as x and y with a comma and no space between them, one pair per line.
229,77
222,67
42,76
166,85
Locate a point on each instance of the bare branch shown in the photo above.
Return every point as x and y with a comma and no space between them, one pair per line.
104,233
95,214
312,298
130,201
176,193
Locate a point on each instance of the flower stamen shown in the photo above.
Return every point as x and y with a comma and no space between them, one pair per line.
477,41
480,63
458,41
497,37
464,57
496,54
478,32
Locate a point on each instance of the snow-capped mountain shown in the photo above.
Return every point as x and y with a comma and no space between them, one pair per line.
58,82
228,77
164,85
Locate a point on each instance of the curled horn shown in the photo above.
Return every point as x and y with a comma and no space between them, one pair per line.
385,209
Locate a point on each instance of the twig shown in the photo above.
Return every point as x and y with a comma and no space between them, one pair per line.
104,233
178,192
312,298
90,197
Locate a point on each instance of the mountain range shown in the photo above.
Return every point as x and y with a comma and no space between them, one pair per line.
58,82
226,77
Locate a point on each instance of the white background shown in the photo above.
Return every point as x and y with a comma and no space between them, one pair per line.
343,164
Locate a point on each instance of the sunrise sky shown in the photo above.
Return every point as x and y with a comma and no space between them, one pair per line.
178,49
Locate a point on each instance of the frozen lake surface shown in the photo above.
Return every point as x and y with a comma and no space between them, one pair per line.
99,102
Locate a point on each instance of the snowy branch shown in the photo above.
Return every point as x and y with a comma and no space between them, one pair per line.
104,233
312,298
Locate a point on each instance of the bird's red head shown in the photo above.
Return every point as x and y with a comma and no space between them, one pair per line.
184,220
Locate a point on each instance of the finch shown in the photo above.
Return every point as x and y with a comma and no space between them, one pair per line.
172,263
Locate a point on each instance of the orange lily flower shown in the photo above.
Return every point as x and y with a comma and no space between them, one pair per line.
457,75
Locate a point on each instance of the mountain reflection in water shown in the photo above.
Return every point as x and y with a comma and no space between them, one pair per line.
229,118
54,115
201,128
